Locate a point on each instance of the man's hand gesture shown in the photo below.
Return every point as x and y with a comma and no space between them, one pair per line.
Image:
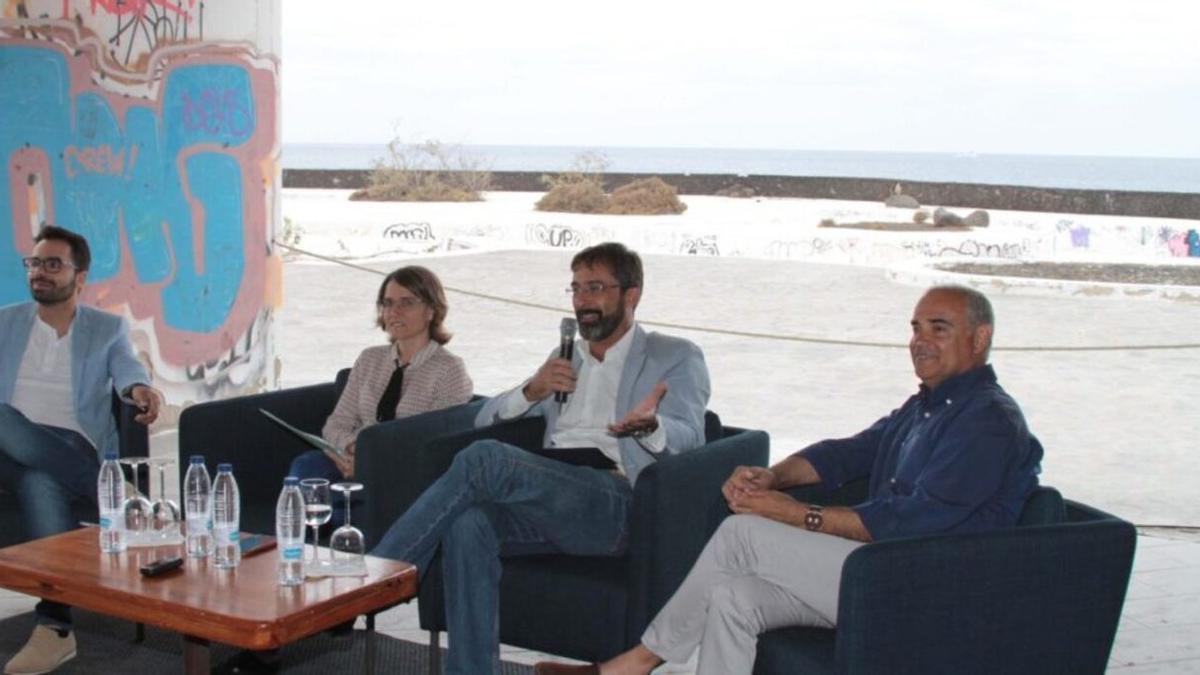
643,419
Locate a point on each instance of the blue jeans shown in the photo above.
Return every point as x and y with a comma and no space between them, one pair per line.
498,500
316,464
47,468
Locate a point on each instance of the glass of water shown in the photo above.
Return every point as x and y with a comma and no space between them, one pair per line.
317,508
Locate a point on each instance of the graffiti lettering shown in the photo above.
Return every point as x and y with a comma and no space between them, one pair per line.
409,232
100,159
557,236
217,112
169,191
700,246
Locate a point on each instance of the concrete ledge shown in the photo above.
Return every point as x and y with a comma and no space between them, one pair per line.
962,195
917,273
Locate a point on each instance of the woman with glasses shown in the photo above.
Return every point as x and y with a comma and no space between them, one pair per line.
413,373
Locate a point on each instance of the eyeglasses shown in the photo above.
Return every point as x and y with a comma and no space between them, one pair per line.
590,288
51,265
401,304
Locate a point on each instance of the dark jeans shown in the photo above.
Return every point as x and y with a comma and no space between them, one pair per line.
494,500
46,468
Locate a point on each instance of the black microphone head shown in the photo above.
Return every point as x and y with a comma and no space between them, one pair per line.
567,328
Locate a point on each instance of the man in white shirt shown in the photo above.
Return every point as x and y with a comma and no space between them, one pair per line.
59,362
632,396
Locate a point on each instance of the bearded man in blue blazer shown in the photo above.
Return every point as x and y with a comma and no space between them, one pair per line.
59,362
632,396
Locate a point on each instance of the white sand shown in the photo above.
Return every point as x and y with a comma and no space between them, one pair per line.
1119,426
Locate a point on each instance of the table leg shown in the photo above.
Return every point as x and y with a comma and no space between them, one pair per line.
369,666
196,656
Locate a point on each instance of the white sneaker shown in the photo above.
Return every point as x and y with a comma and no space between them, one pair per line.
45,651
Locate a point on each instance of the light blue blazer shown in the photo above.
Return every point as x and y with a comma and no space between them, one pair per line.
653,358
101,358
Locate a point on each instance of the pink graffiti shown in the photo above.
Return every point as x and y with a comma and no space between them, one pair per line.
1178,245
100,159
135,7
33,201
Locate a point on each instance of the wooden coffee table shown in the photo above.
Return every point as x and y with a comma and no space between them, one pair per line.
245,607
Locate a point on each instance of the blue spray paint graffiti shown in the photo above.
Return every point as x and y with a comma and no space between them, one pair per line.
167,177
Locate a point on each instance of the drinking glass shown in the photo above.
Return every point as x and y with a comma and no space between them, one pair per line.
137,510
346,543
166,514
317,508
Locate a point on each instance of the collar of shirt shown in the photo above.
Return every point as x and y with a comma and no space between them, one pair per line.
423,355
954,388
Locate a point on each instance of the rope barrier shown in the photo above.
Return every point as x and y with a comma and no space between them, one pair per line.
754,335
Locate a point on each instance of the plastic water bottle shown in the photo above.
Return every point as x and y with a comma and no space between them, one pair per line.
111,498
289,533
198,504
226,515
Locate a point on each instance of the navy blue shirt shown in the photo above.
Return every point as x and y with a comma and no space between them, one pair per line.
958,458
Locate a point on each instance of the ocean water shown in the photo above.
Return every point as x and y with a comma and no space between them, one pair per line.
1142,174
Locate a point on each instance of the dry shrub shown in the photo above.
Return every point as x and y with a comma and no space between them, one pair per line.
580,197
645,196
579,189
827,222
920,216
426,172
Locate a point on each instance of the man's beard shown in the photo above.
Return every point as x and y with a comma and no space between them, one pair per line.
602,329
54,294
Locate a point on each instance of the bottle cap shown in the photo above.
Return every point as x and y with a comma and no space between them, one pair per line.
111,454
225,467
289,481
196,459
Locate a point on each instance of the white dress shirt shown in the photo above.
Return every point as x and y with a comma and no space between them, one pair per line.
591,408
43,390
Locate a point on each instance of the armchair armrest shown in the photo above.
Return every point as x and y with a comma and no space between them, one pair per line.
677,505
133,437
395,465
1038,599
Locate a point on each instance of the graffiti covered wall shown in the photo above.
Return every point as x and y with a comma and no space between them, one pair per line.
152,128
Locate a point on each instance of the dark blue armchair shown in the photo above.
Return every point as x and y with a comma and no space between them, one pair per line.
233,430
1042,597
593,607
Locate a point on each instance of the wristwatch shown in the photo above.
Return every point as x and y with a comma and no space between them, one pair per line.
813,519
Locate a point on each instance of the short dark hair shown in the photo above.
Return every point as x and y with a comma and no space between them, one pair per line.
424,284
81,253
625,264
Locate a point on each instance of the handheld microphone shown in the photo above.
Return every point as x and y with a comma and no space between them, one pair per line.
566,348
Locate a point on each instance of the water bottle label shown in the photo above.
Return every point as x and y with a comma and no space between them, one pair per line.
106,523
234,535
209,524
292,553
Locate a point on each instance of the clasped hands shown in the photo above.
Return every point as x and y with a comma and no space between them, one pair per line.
557,375
751,489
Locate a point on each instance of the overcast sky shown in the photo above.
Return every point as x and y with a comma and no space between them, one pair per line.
1090,77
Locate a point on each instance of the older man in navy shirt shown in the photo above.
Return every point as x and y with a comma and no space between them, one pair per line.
956,457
